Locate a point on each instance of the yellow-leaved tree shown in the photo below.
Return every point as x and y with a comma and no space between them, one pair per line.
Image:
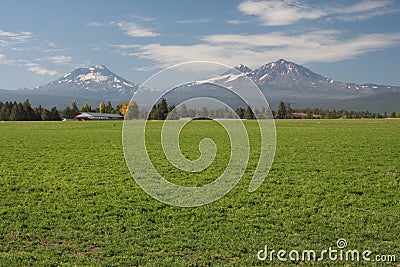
102,107
130,110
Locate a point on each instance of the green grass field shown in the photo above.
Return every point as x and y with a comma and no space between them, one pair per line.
67,197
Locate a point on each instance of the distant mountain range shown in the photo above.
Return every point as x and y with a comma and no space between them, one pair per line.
279,81
289,81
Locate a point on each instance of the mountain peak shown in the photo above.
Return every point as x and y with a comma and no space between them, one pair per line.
95,80
243,68
284,71
98,67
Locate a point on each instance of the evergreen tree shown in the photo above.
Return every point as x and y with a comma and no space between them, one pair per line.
86,107
153,113
281,110
30,113
183,111
22,116
162,110
14,116
248,114
240,112
74,108
172,113
226,113
67,113
5,112
54,115
38,113
109,108
204,112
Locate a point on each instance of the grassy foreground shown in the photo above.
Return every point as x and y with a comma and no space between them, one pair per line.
67,197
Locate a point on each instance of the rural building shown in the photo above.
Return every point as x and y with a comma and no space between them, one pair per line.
84,116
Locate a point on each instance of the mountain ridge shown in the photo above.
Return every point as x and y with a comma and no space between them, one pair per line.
286,74
280,80
95,81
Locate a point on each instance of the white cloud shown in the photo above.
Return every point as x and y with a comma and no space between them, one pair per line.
139,17
237,22
255,50
280,12
94,24
59,60
125,46
134,30
51,44
15,37
202,20
33,67
286,12
146,68
363,7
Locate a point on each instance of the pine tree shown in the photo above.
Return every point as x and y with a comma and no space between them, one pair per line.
172,113
54,115
203,112
281,110
183,111
38,113
67,113
240,112
153,113
30,113
109,108
5,112
86,107
14,116
248,114
162,110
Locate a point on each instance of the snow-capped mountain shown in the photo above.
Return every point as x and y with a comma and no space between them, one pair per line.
287,80
243,68
283,71
96,81
279,81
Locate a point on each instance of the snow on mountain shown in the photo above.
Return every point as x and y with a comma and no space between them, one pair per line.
96,81
285,79
243,68
280,80
284,71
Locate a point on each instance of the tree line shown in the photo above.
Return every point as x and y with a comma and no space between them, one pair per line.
161,111
285,111
13,111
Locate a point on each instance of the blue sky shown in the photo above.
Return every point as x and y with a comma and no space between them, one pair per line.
351,41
